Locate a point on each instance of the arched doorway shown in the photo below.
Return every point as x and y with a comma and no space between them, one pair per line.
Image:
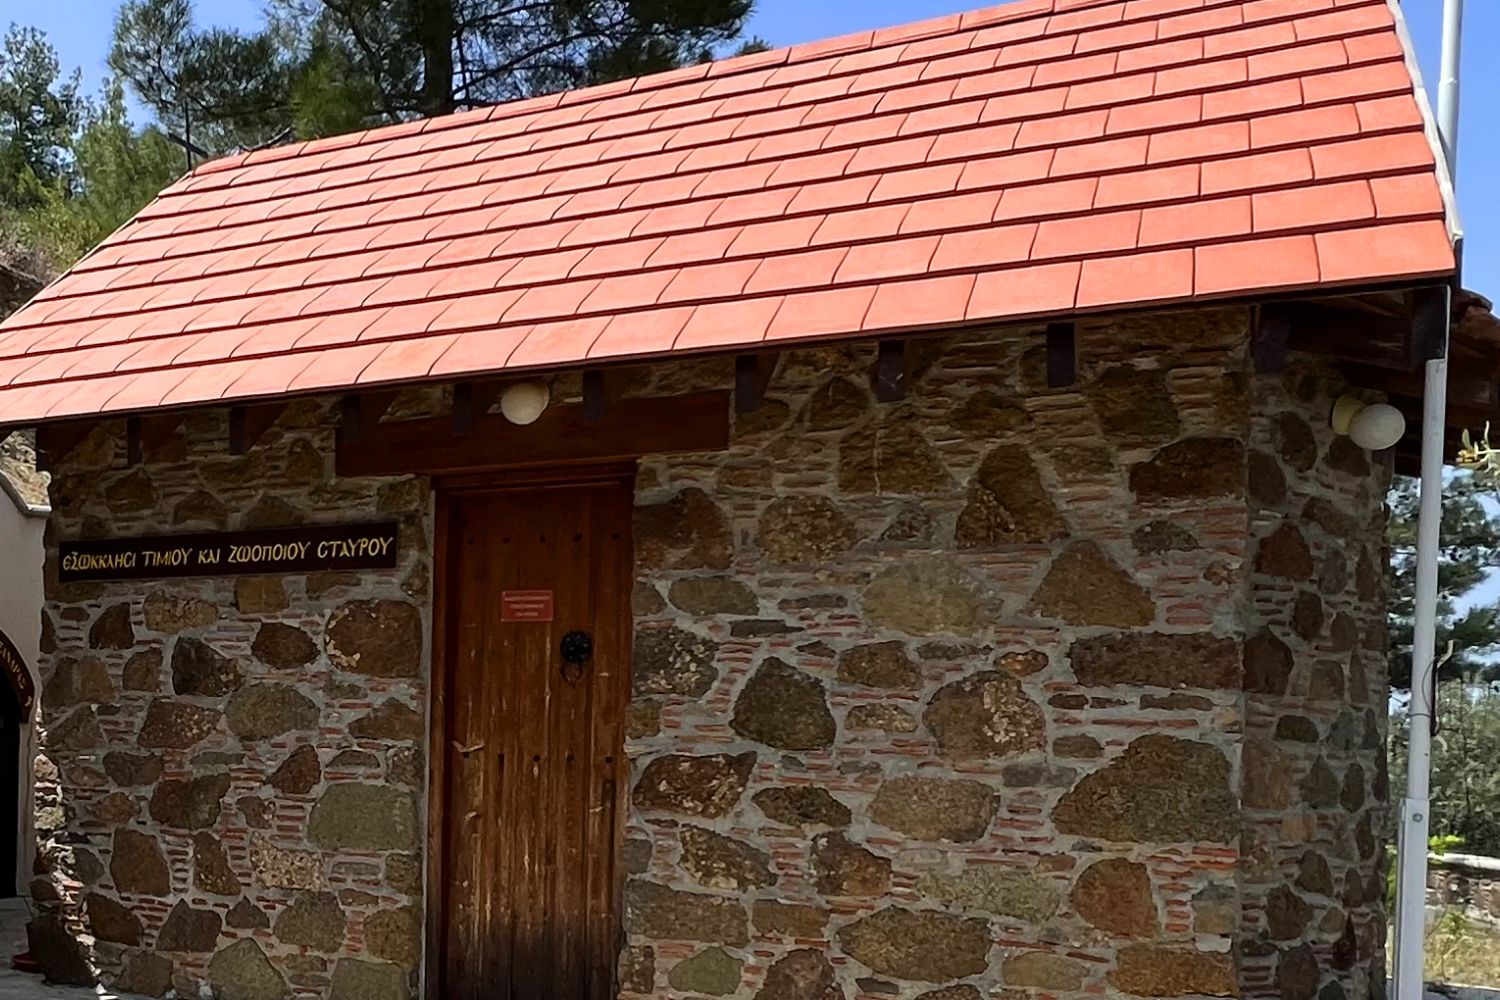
17,698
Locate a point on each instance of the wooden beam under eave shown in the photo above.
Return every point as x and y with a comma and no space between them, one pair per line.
249,423
1431,312
1270,339
562,436
889,376
1355,335
472,400
594,397
1062,355
361,413
134,448
55,441
752,375
1468,394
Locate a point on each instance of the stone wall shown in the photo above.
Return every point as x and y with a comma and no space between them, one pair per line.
234,767
1466,882
946,695
940,698
1315,787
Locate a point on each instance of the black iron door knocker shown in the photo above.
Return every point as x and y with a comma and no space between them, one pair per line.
576,648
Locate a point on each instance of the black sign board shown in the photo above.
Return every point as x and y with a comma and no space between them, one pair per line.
231,553
15,671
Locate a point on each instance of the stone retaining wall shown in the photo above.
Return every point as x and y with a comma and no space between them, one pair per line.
1467,881
997,690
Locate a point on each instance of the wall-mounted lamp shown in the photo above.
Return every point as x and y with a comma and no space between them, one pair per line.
523,402
1372,426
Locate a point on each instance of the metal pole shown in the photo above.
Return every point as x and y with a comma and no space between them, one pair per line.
1448,89
1411,885
1411,892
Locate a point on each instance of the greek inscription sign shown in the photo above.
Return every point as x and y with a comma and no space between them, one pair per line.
234,553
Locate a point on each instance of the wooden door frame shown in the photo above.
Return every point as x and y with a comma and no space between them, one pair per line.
445,490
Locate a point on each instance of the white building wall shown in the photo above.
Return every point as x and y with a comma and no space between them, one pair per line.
21,529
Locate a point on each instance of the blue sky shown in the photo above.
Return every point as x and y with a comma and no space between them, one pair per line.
80,29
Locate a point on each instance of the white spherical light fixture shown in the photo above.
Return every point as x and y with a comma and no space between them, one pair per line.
523,402
1377,427
1374,427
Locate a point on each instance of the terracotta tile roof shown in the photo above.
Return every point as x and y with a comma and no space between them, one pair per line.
1039,158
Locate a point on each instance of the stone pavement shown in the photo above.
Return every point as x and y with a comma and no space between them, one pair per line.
19,985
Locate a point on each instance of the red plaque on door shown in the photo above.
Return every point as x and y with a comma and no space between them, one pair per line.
526,605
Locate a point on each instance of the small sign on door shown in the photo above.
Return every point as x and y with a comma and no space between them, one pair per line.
526,605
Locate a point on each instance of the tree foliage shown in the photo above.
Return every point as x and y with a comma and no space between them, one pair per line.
213,89
40,111
430,57
72,169
321,67
1470,546
116,170
1465,765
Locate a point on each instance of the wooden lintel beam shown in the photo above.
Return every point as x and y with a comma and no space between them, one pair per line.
889,377
1431,312
248,424
562,435
1270,339
594,401
1062,355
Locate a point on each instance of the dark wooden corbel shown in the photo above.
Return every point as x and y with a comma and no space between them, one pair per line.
1062,355
1430,311
55,441
752,376
248,424
595,400
889,376
359,413
471,401
1270,338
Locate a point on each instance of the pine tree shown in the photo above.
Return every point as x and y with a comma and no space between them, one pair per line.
321,67
430,57
114,170
40,110
1470,544
213,90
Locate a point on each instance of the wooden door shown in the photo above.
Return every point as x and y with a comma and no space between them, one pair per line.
530,769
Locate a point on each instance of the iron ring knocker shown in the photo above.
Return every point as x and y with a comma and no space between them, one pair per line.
577,648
